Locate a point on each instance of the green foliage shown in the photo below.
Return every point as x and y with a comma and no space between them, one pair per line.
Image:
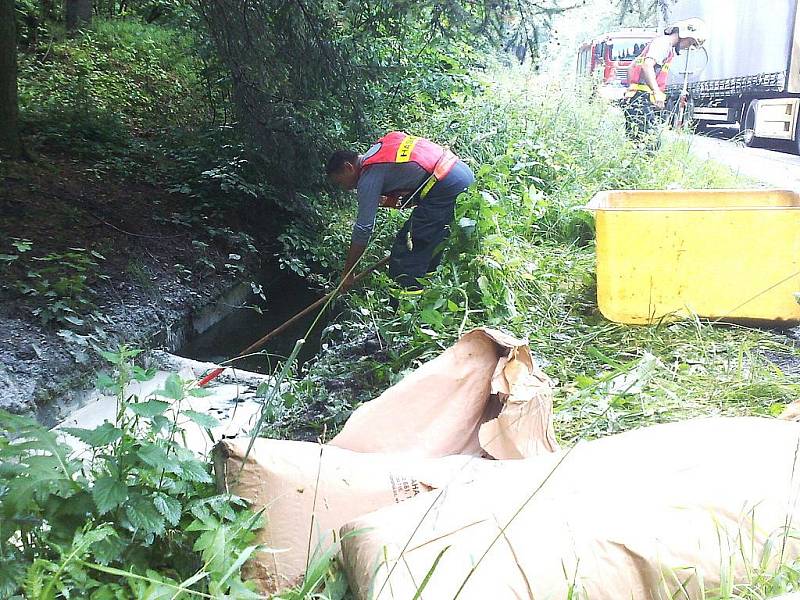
148,102
57,286
88,94
315,75
133,513
642,12
521,258
28,26
769,573
323,579
308,250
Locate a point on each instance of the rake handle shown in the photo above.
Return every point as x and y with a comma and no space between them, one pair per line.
260,342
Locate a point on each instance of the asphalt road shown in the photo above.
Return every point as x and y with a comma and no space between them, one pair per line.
774,169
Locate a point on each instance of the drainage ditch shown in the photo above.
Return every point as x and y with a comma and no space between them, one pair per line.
286,294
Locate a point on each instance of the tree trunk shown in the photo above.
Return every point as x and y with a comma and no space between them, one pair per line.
48,11
9,106
79,13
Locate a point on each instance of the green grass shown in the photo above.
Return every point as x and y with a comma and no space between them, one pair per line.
540,153
530,270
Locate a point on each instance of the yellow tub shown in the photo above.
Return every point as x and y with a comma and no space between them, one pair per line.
720,254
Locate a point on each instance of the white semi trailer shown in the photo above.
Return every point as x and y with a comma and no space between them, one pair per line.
752,74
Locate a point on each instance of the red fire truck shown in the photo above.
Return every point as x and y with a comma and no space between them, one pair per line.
606,59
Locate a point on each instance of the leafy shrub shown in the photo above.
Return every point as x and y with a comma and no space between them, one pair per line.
135,515
57,286
117,77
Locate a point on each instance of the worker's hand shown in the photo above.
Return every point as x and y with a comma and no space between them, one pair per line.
659,98
353,256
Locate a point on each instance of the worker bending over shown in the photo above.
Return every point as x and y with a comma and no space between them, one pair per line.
399,171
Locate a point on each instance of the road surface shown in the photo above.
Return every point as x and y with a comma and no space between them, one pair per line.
774,169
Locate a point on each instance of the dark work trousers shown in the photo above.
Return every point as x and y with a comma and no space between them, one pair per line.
640,117
428,228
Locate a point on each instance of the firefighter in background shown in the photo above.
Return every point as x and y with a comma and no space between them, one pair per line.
648,73
400,171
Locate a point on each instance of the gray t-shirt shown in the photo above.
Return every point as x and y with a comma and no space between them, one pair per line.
659,50
376,181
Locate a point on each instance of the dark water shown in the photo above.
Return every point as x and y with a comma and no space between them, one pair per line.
286,294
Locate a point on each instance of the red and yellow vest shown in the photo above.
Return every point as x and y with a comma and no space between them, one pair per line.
635,73
399,147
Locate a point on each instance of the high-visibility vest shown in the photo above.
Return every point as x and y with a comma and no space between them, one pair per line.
399,147
635,73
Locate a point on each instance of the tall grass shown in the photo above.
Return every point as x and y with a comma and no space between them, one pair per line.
523,260
540,153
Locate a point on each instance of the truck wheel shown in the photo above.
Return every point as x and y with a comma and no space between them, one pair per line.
749,127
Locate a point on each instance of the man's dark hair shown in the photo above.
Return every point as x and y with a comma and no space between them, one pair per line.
337,160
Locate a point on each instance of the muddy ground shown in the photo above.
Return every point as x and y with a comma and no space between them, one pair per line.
156,272
161,267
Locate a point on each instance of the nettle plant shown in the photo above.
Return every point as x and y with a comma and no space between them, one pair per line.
58,285
134,515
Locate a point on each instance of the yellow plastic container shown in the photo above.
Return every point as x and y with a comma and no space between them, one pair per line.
720,254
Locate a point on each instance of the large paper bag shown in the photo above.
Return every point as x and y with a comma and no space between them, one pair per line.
484,395
309,490
657,513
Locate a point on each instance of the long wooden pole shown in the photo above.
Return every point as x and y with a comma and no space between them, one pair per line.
281,328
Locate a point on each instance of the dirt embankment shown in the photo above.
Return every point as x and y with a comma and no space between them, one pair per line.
120,253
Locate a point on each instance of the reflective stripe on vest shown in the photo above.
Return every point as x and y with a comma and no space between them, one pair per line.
405,149
399,147
635,73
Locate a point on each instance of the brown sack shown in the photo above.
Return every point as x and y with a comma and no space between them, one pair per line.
309,490
656,513
484,395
